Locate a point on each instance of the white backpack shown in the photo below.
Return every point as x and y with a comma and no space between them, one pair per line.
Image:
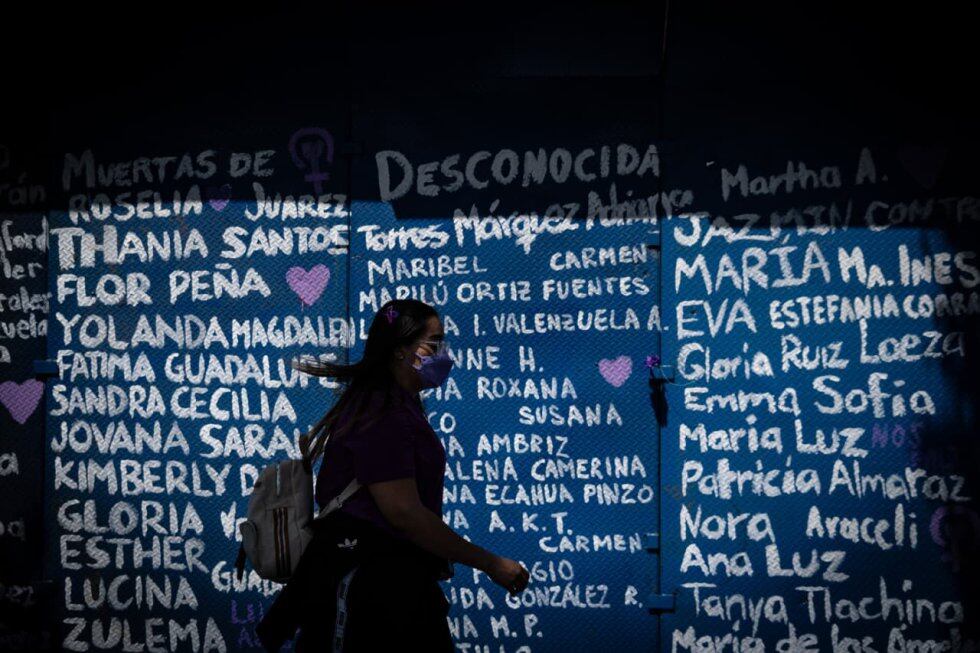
279,523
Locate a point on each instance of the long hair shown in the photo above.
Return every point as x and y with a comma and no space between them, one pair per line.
397,323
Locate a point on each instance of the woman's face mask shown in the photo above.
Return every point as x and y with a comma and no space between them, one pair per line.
434,369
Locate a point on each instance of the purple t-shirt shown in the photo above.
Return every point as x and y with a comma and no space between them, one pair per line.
400,444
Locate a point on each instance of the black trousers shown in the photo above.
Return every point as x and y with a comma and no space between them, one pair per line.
382,594
382,605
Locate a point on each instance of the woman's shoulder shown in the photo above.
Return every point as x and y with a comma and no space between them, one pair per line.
372,402
376,422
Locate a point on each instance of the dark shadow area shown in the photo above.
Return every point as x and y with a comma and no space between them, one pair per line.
812,88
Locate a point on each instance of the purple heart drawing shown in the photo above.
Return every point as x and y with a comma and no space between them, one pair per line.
923,163
617,370
308,285
21,399
219,196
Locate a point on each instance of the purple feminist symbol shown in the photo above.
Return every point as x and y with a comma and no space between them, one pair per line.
306,153
391,314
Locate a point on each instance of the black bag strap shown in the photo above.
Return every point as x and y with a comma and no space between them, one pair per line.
240,562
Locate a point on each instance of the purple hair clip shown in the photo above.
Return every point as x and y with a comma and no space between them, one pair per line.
391,314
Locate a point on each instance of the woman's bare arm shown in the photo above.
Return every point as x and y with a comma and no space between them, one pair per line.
399,502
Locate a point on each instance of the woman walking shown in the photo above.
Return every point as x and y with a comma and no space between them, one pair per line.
379,436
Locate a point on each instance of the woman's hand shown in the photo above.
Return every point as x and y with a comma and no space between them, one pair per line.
399,502
508,573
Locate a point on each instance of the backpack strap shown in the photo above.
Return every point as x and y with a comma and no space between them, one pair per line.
339,500
310,452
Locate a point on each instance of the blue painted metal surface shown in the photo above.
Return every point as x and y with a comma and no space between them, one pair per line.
576,504
622,556
818,458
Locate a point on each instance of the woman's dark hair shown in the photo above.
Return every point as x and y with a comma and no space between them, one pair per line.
397,323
